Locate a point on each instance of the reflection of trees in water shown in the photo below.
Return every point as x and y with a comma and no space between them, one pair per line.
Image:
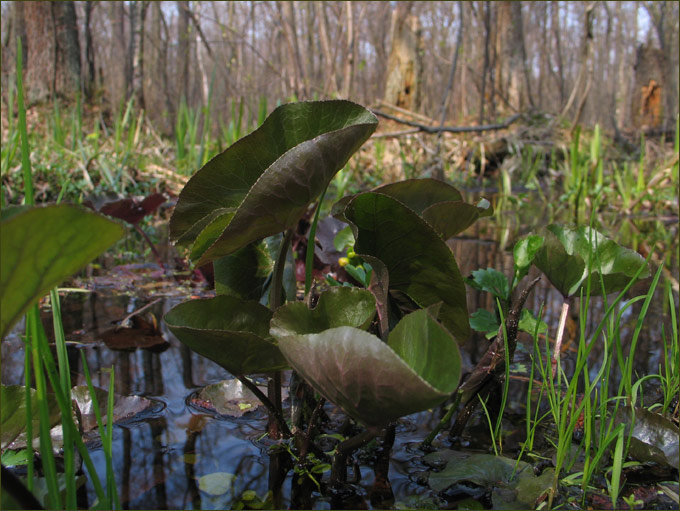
152,468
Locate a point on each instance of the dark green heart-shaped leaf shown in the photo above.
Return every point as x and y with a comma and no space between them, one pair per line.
230,331
337,306
368,378
263,183
438,203
451,218
244,273
566,253
420,194
41,247
418,261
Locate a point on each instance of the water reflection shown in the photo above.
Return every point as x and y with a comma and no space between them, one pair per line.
160,459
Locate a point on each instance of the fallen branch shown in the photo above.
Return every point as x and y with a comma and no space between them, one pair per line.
448,129
391,134
408,113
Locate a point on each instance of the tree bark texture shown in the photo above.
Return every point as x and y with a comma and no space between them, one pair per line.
89,79
511,70
53,51
404,66
648,91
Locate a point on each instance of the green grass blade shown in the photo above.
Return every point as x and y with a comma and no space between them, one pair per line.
617,465
25,153
65,380
28,347
64,402
38,345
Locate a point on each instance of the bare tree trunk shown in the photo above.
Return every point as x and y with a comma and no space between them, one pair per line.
330,82
118,17
183,51
463,72
287,17
511,68
90,78
585,74
555,6
485,68
404,66
53,56
544,58
348,68
137,18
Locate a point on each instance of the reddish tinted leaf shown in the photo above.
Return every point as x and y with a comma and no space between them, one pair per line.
131,210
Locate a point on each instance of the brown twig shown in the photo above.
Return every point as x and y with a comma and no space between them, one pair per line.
449,129
138,311
493,361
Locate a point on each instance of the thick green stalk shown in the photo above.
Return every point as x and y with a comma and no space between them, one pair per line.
309,259
276,299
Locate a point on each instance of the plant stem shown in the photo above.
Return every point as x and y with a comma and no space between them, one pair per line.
310,428
309,257
153,248
560,334
344,449
276,299
274,412
443,421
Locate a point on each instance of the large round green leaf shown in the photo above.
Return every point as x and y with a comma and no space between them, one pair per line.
453,217
263,183
567,254
41,247
337,306
438,203
418,261
244,273
376,382
420,194
230,331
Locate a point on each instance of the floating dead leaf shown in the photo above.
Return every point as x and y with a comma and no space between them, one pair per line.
228,397
125,408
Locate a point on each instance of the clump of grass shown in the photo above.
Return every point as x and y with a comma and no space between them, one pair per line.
581,399
40,366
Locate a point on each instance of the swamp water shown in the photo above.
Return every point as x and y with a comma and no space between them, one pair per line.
180,454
